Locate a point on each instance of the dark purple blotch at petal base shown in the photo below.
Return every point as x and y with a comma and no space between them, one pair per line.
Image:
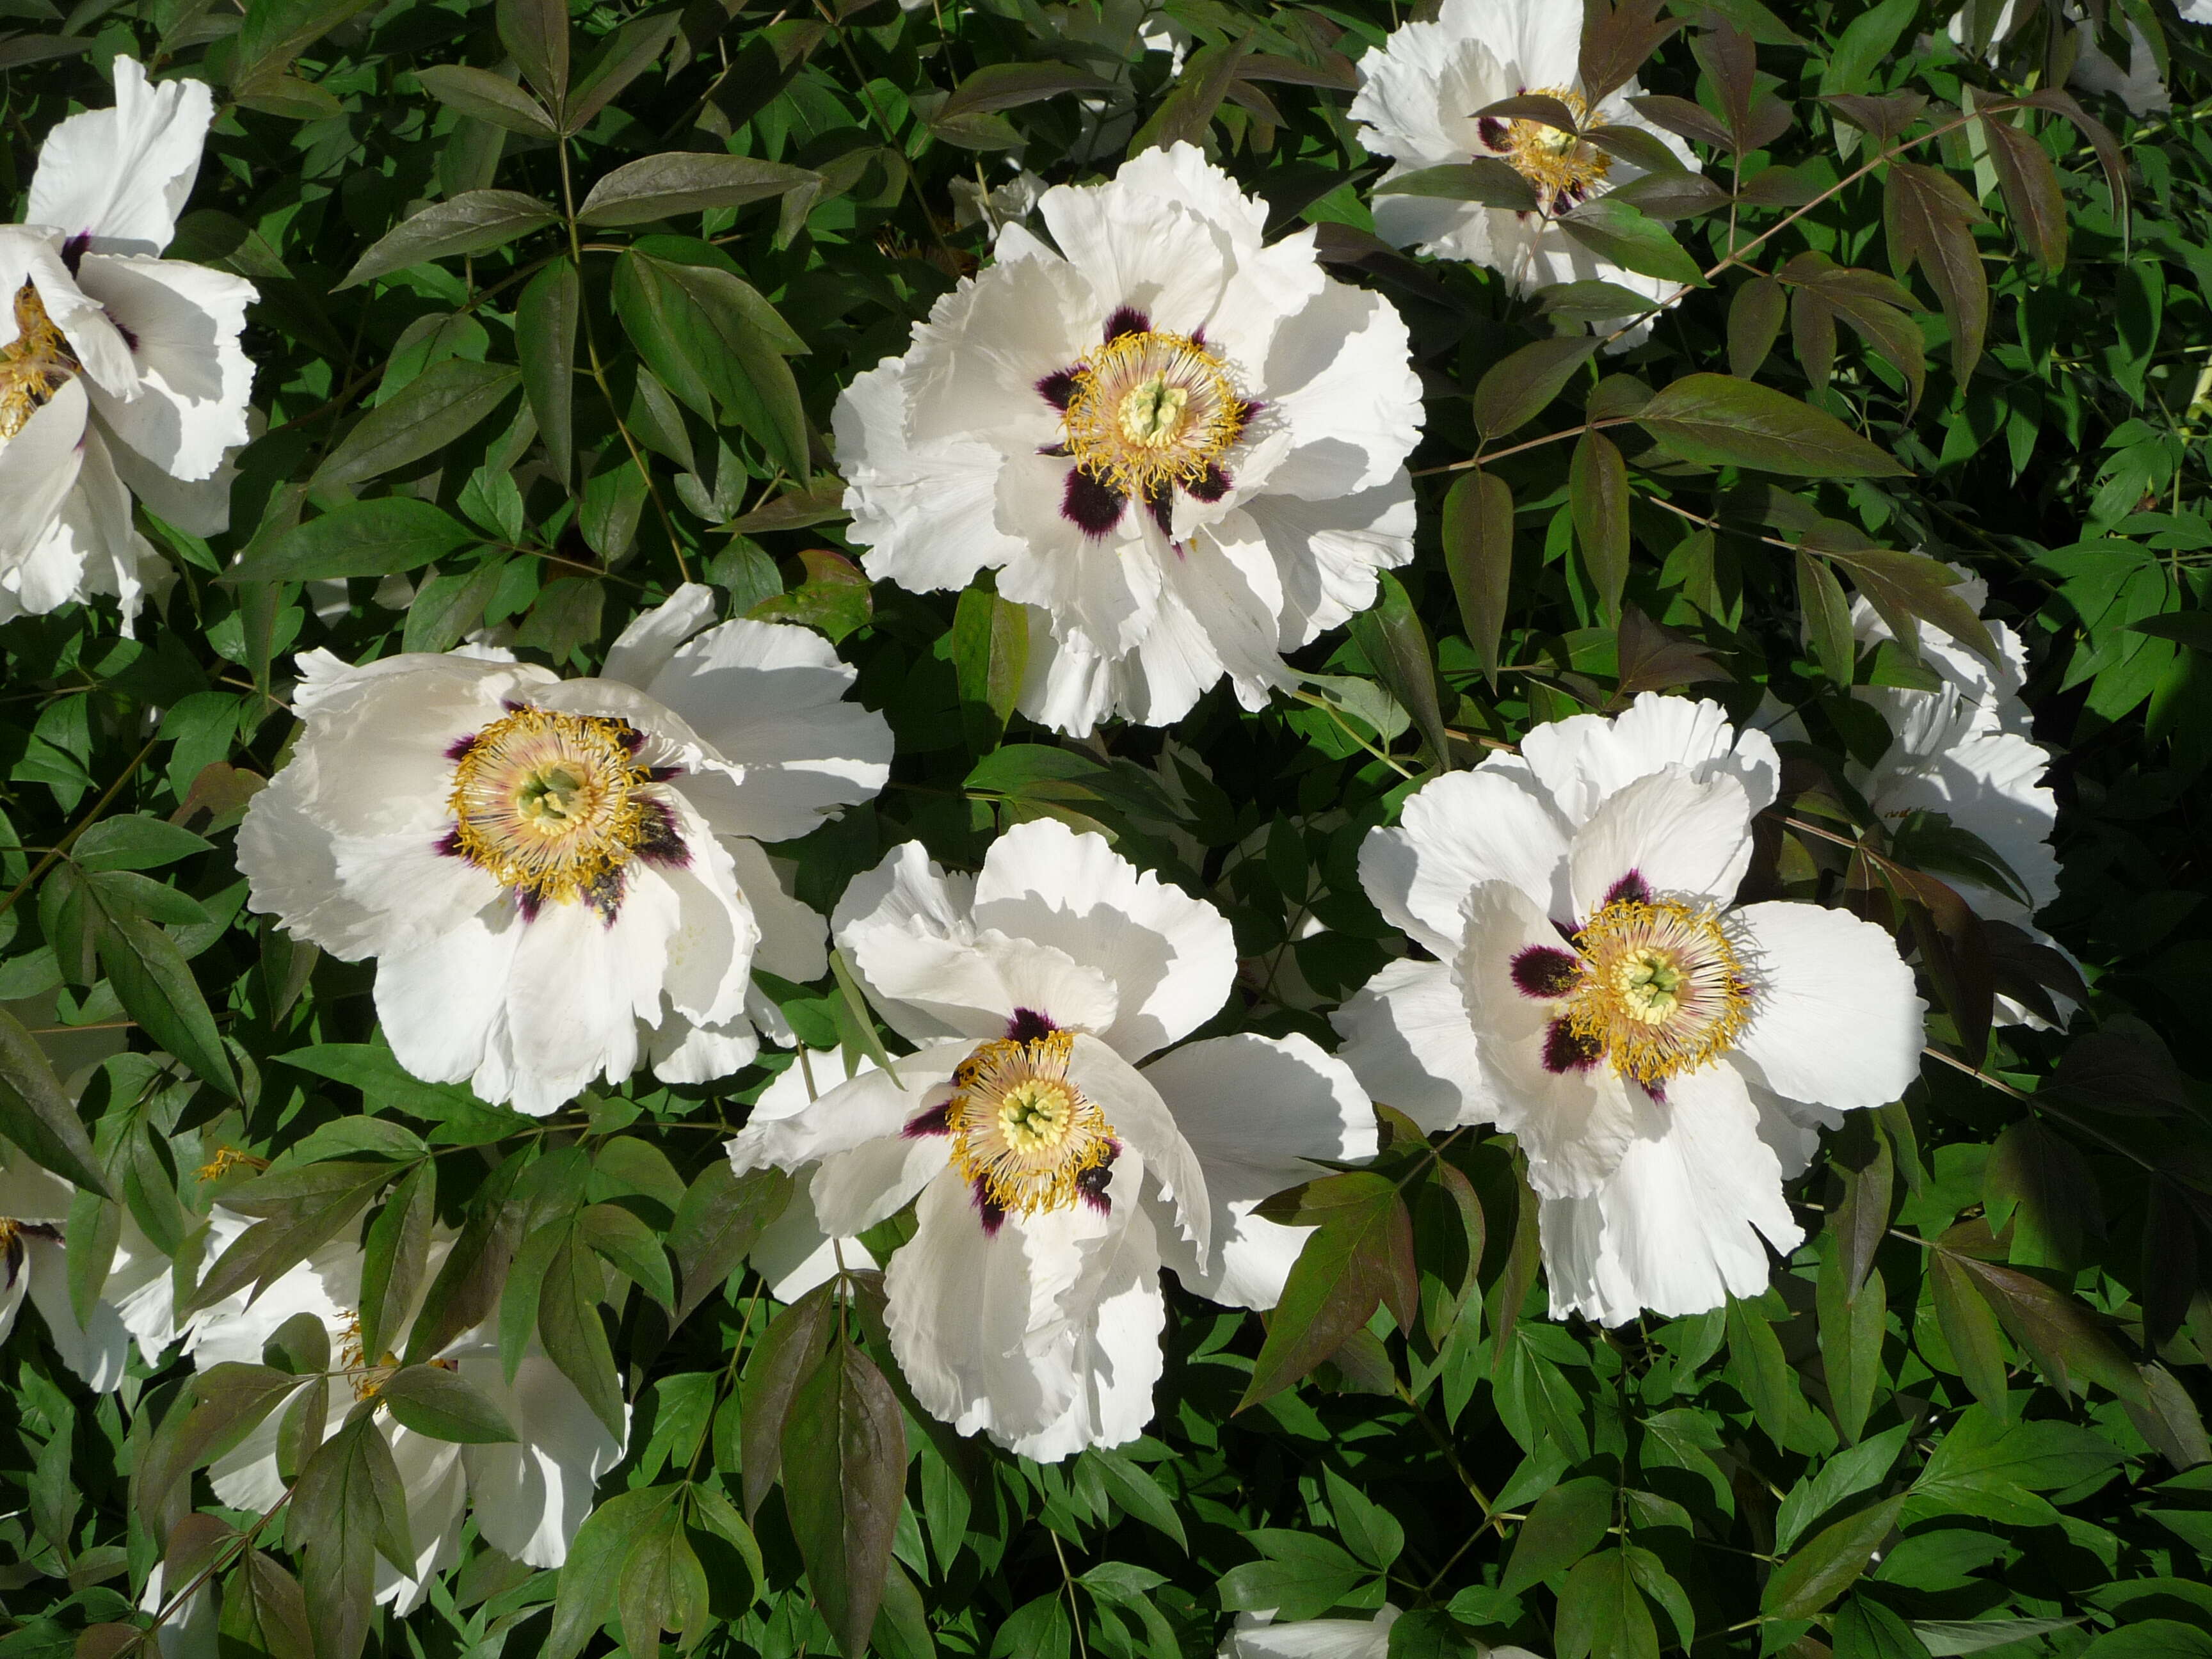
1543,971
937,1120
1631,889
1566,1049
1028,1026
1057,388
993,1212
1492,130
1092,1183
1160,503
1090,504
1126,320
449,844
659,840
1209,486
458,750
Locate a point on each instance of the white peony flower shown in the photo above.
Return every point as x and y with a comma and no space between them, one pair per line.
133,1302
1052,1178
529,1496
120,371
1183,449
1664,1055
1964,750
1419,95
561,877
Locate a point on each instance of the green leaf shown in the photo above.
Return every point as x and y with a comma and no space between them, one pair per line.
37,1114
156,988
395,1260
844,1480
134,843
1370,1531
361,539
215,1410
445,1406
722,1215
432,410
1718,420
713,340
275,31
474,221
1849,1473
1602,1615
1390,636
662,1587
1514,390
686,181
997,87
1865,1629
592,1573
568,1322
787,1356
633,1248
2150,1638
835,597
1829,1563
1138,1493
1361,1255
1301,1577
1759,1369
536,35
348,1508
991,658
1567,1523
1614,230
483,96
1928,221
1486,179
1477,537
1597,484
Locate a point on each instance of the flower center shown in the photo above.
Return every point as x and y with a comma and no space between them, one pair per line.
33,366
1563,166
1661,990
1149,409
550,805
1022,1134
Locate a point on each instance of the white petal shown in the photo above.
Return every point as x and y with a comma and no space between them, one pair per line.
1141,1120
975,986
1113,1353
1677,1228
1583,760
907,893
1317,1639
435,1484
793,1254
181,323
34,254
1834,1021
96,1350
794,937
1455,833
1574,1124
531,1497
872,1106
38,469
772,698
1170,958
642,649
1327,552
1678,835
1340,377
960,1306
1407,1038
443,1006
1256,1110
121,175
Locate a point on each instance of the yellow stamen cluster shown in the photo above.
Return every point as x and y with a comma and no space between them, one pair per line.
368,1380
1022,1128
1563,168
547,803
1149,411
1664,990
226,1159
33,366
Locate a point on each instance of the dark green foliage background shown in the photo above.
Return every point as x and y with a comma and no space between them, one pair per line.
1996,1443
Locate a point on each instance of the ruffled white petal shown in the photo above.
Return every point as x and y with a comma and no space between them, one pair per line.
1456,832
1257,1111
1678,1227
1408,1039
1834,1021
121,175
1674,835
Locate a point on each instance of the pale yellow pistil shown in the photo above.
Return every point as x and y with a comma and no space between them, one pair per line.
33,366
1152,414
1648,980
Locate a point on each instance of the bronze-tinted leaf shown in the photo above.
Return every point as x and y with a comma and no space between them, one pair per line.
1477,537
1597,489
1929,219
